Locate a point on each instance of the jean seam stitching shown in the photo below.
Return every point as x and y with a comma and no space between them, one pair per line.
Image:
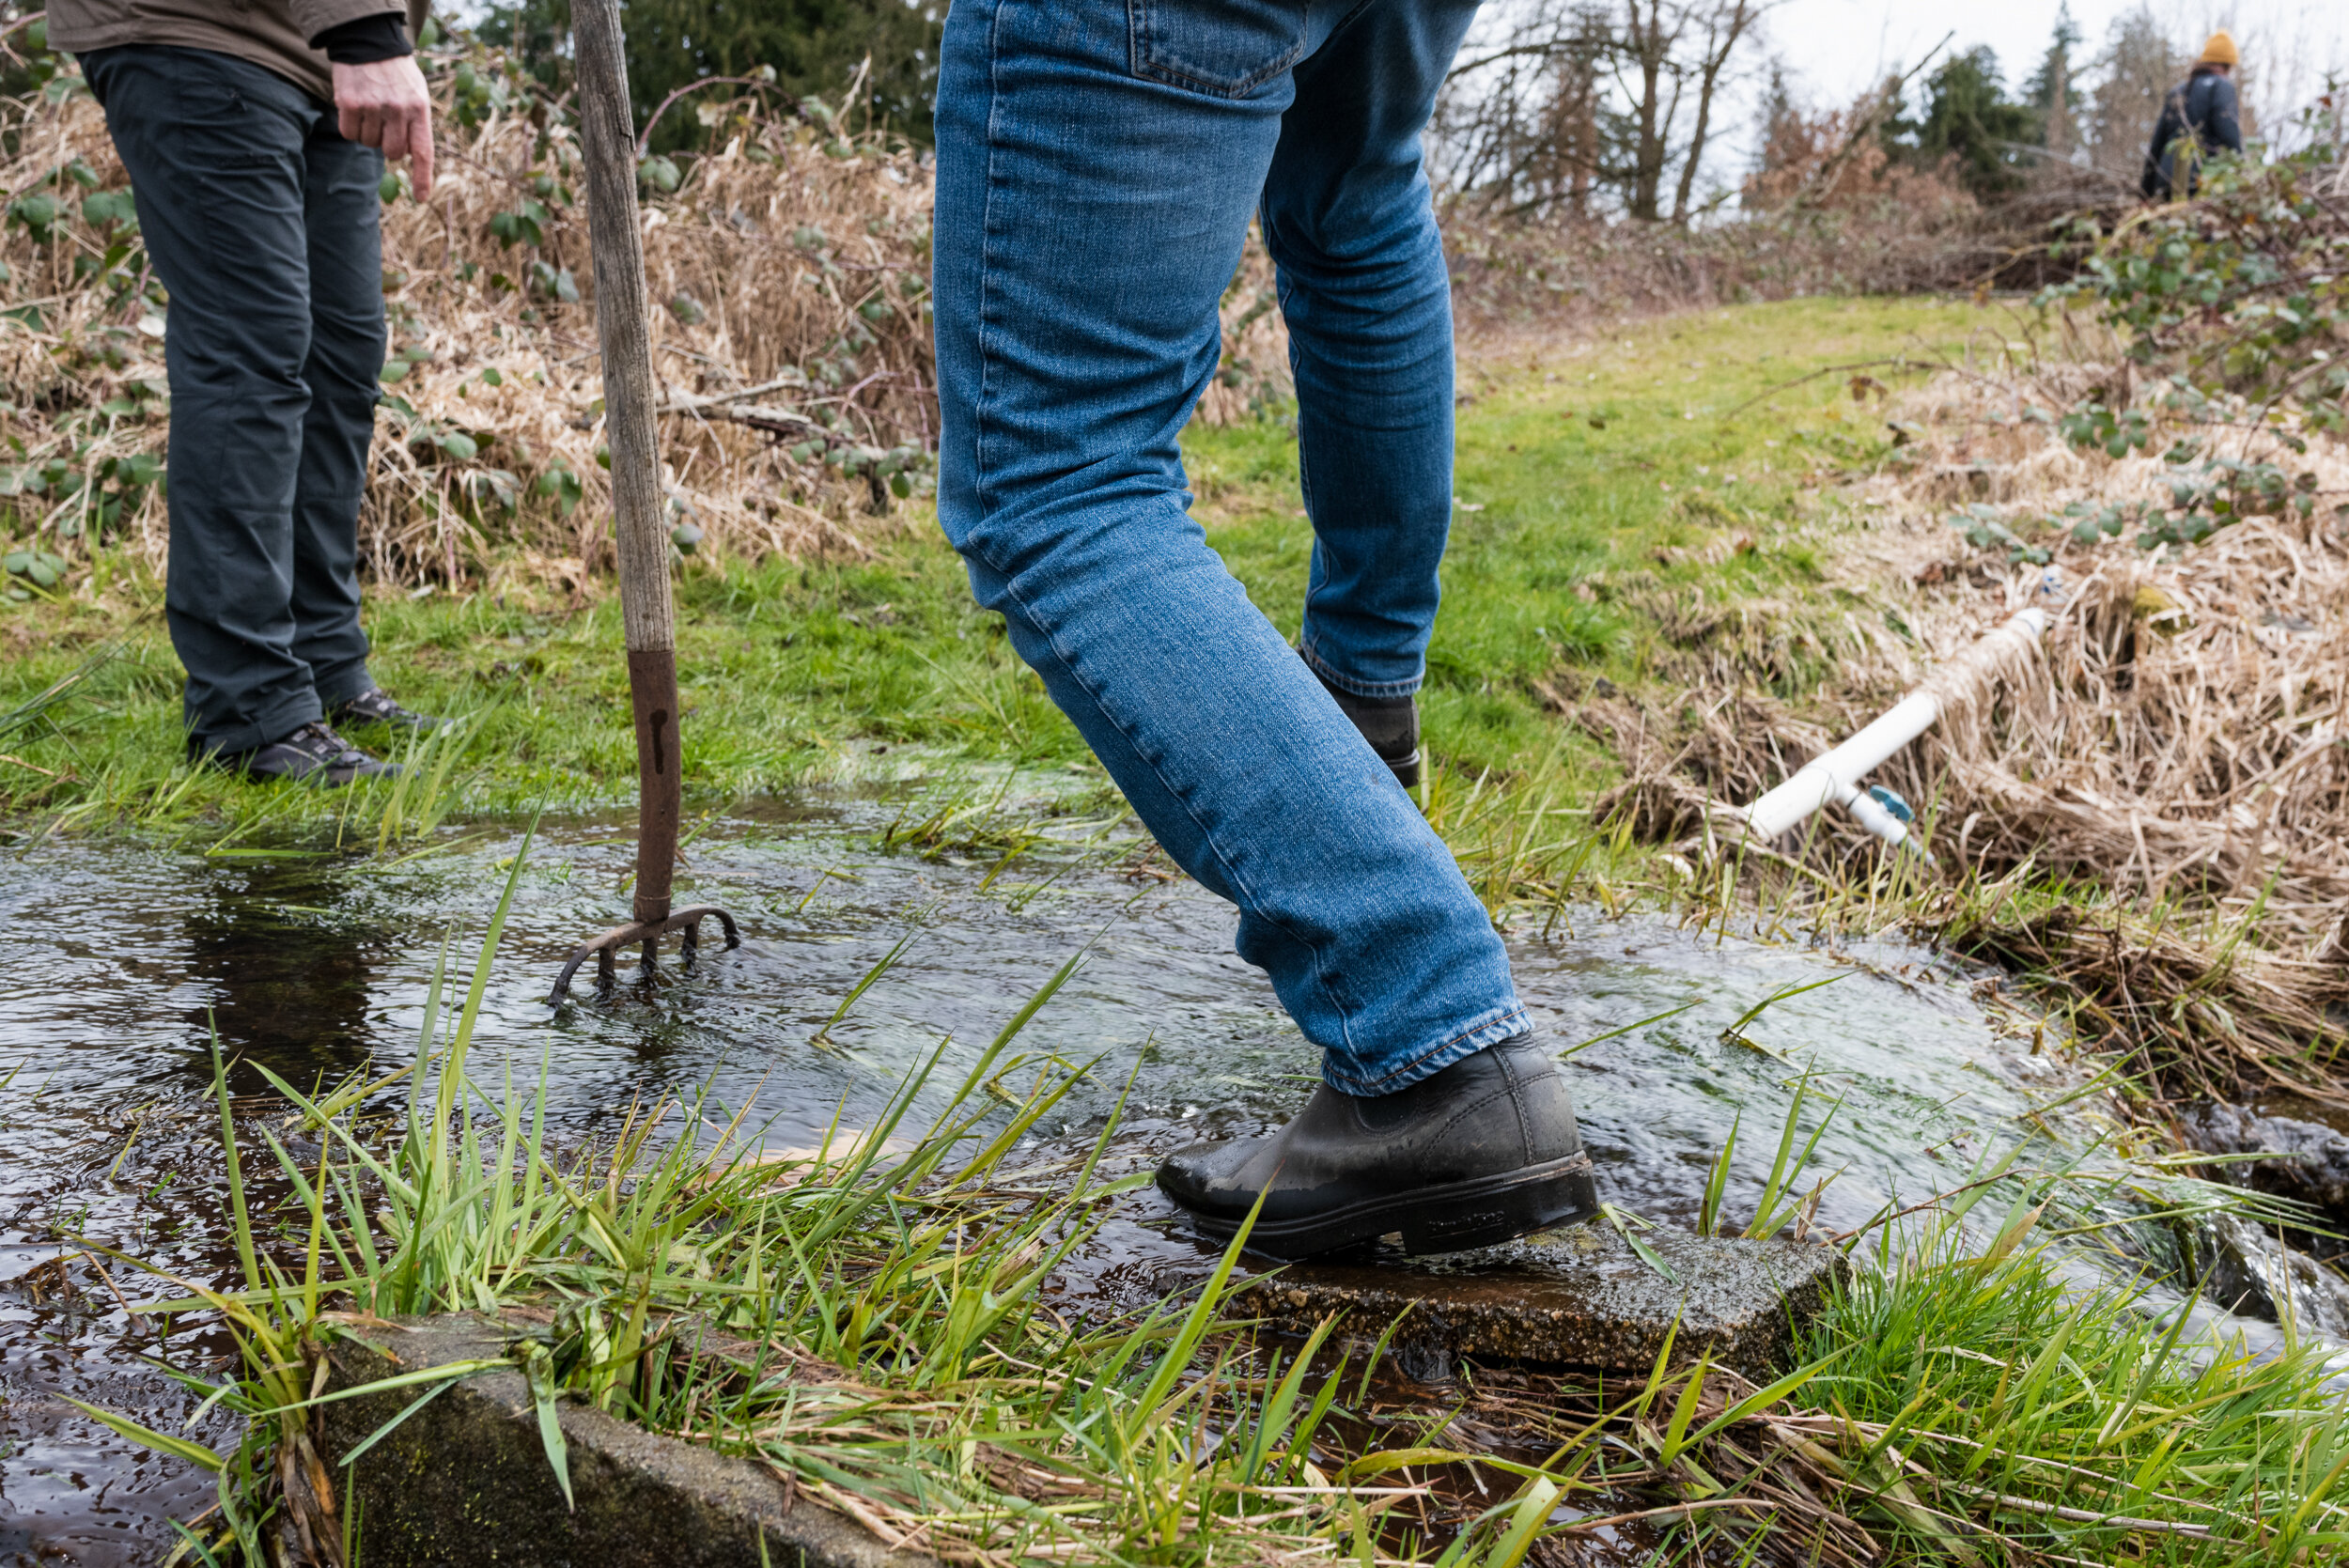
1515,1012
1307,649
1207,835
1173,76
986,236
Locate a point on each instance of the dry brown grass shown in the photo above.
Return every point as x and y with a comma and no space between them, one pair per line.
795,260
2182,740
2168,773
1883,230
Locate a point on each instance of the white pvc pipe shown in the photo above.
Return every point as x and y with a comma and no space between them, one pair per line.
1836,776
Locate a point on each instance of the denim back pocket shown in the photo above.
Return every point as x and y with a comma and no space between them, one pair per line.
1227,48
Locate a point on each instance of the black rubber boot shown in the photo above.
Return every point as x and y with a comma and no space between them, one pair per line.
1482,1152
1390,725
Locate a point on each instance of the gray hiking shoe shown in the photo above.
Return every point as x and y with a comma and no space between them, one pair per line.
312,755
376,706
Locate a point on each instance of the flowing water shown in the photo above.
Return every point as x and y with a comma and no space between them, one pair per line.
130,959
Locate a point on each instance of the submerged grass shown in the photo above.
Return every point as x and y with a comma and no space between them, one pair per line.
871,1319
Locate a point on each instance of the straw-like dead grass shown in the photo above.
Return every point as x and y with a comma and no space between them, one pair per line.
794,351
793,354
2175,750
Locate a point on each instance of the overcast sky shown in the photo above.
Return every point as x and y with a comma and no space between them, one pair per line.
1837,48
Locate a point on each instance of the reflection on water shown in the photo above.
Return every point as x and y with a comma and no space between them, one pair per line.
316,965
284,982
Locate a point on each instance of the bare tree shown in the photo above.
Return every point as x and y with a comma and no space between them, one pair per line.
1569,98
1524,122
1723,26
1651,41
2138,67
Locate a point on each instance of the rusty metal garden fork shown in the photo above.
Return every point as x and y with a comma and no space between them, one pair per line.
616,236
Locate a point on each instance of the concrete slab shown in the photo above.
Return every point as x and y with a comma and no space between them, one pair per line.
464,1481
1578,1297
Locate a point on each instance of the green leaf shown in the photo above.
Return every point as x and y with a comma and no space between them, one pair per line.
106,209
146,1437
1624,1221
393,372
538,1364
36,213
1525,1523
1614,1033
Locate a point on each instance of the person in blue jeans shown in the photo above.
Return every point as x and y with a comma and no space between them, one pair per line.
1099,164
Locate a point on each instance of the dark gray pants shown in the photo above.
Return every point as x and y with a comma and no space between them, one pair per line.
262,221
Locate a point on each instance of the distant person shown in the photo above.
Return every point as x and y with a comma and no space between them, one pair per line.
2200,116
1099,163
255,132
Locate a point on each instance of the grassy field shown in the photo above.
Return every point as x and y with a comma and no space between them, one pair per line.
1982,1409
1587,465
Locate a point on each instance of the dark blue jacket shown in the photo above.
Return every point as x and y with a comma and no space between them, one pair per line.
2203,107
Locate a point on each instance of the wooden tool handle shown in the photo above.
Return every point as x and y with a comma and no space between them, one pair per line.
617,238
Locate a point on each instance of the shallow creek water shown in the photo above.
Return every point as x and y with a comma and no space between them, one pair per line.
317,964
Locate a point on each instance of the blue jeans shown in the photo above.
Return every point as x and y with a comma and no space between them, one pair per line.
1098,162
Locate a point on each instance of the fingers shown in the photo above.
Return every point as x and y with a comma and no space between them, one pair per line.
393,134
420,153
385,104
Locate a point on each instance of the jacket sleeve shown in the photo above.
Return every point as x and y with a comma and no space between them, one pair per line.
2222,126
2153,182
313,17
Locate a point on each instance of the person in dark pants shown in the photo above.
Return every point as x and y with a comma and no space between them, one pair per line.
255,135
2202,116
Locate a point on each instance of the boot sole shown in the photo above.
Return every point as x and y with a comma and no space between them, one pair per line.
1450,1218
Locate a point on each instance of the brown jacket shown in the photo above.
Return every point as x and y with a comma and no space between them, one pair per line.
272,33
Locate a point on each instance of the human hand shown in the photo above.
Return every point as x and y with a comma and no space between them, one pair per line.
384,104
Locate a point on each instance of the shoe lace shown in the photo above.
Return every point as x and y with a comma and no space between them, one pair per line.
320,741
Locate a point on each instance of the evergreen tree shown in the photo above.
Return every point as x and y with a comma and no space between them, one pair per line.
814,47
1970,118
2051,92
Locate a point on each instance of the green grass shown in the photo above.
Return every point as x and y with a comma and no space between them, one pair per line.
1554,568
791,671
872,1321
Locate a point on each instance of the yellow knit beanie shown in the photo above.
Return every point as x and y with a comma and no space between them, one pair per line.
2220,50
